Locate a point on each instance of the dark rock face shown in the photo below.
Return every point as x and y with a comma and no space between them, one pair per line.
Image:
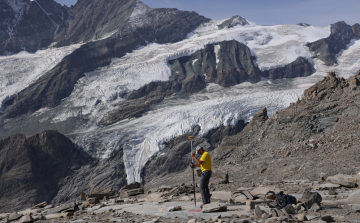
175,156
233,21
59,82
233,64
341,35
31,168
49,167
299,68
30,25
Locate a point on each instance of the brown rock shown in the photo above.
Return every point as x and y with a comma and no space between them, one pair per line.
26,219
14,216
258,212
250,205
41,205
214,207
100,193
93,200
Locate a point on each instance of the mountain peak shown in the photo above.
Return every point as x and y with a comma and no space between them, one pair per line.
233,21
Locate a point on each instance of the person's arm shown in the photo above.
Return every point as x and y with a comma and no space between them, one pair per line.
198,162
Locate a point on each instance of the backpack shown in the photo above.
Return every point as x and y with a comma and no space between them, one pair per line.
281,200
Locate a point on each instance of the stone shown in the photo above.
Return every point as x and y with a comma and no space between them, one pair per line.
356,207
240,199
261,191
14,216
222,196
315,207
273,213
135,192
176,208
327,218
26,219
192,220
283,218
250,205
265,216
272,220
131,189
93,200
326,186
41,205
290,209
301,217
258,212
82,196
332,192
343,180
154,197
310,198
214,207
60,215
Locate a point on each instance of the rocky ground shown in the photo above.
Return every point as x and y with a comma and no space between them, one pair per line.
335,199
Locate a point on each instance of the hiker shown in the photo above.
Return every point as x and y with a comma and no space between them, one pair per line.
205,164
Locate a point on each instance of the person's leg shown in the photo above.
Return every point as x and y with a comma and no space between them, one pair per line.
206,186
202,188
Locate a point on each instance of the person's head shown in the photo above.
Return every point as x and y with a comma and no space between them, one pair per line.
200,150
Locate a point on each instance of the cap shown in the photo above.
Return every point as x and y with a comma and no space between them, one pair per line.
198,148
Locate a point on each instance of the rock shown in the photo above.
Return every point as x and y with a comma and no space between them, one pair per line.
192,220
310,198
327,218
214,207
261,191
290,209
332,192
274,213
26,219
326,186
41,205
223,196
154,197
99,193
65,207
93,200
315,207
265,216
250,205
272,220
301,217
60,215
131,190
176,208
356,207
258,212
240,199
343,180
185,198
14,216
83,196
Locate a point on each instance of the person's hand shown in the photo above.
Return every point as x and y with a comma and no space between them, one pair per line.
192,165
192,155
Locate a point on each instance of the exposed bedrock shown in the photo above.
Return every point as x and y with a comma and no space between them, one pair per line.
58,83
340,36
233,21
49,167
175,157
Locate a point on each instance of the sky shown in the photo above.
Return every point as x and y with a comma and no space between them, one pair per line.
266,12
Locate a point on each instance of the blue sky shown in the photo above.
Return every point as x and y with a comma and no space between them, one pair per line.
267,12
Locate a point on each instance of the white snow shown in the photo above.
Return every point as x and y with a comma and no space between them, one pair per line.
217,49
98,92
20,70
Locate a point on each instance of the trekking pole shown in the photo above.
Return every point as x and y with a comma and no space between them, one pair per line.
191,138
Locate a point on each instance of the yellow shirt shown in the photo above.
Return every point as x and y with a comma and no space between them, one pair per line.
206,165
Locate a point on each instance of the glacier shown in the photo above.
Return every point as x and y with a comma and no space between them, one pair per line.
98,93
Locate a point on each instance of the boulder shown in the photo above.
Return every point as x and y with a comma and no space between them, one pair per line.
154,197
301,217
315,207
176,208
223,196
261,191
250,205
60,215
65,207
26,219
99,193
343,180
14,216
258,212
290,209
310,198
272,220
240,199
41,205
93,200
132,189
326,186
214,207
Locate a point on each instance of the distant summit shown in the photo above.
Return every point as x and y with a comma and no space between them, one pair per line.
233,21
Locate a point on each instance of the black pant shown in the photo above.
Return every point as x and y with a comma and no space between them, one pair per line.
204,186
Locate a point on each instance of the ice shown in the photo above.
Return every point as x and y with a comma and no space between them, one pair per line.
98,92
20,70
